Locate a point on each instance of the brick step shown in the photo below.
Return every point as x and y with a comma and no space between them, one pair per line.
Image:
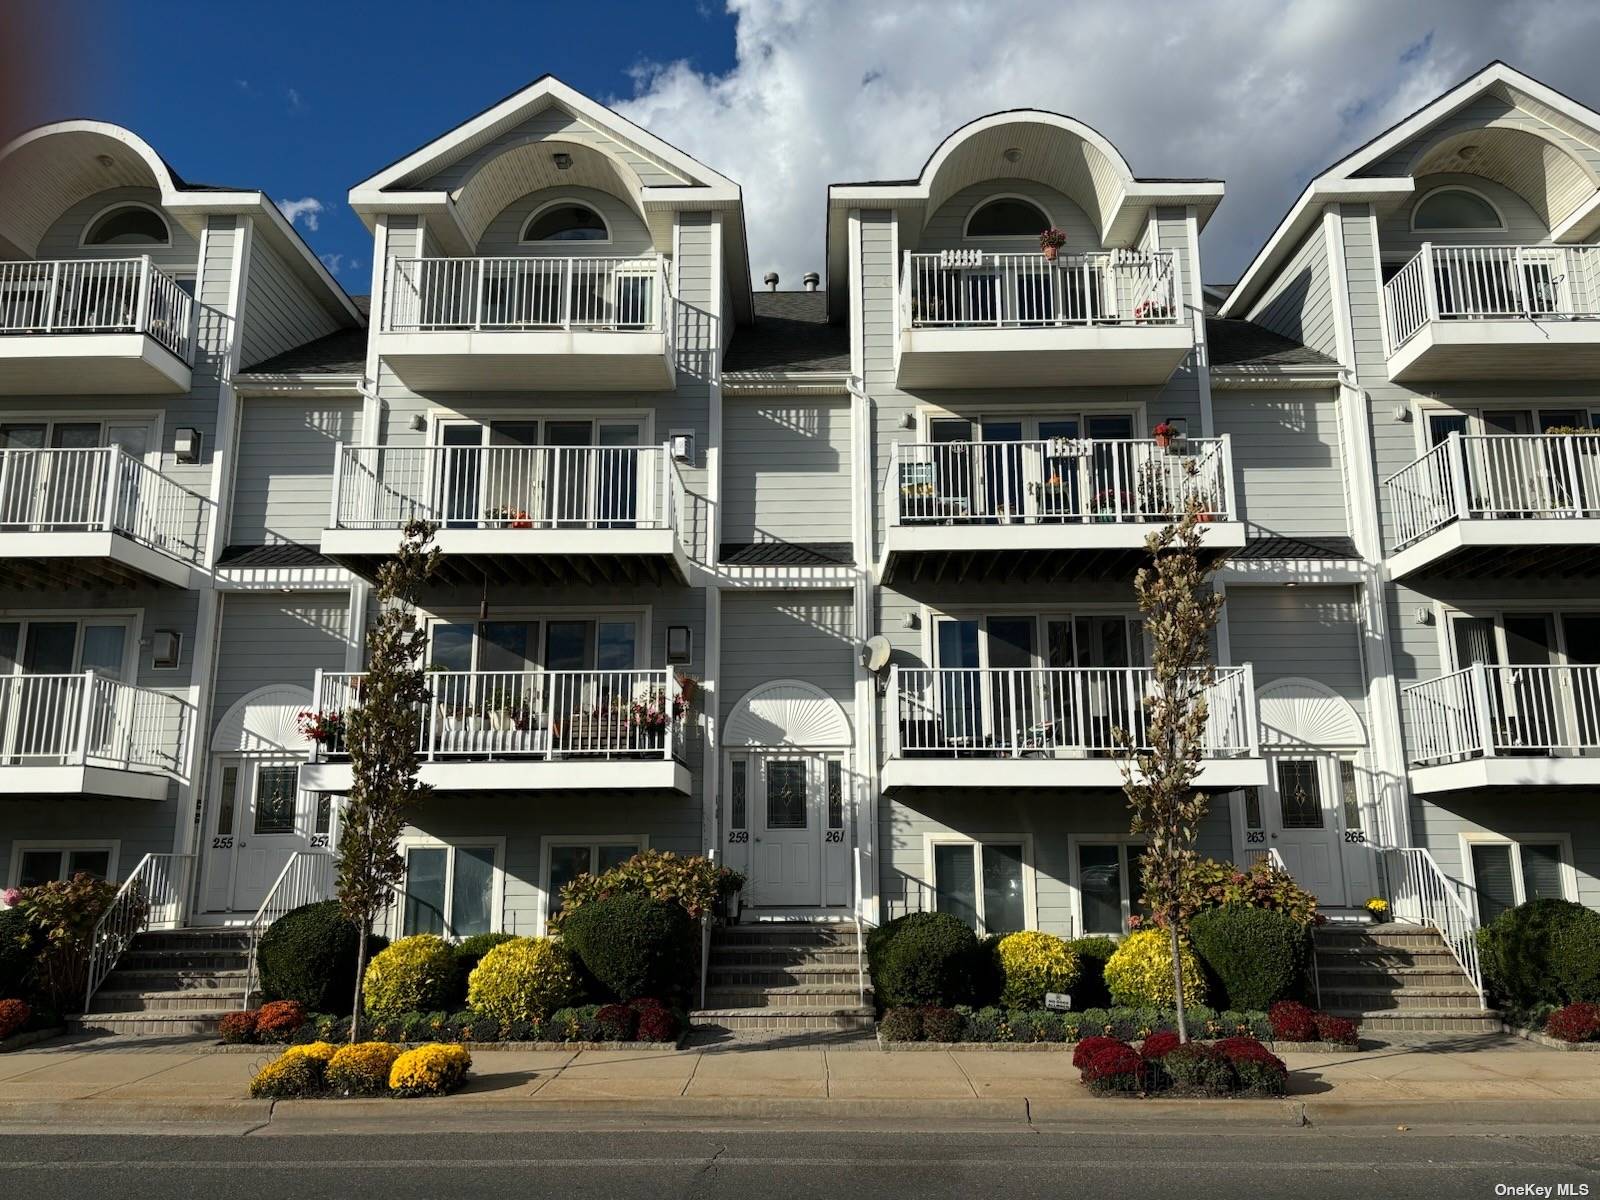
720,976
1399,937
838,958
1389,999
786,1019
189,1000
1385,957
1396,978
237,940
170,1024
174,980
183,960
783,936
1415,1020
821,995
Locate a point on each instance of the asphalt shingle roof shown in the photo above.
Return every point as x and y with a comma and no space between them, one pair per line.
791,333
1233,342
279,554
340,353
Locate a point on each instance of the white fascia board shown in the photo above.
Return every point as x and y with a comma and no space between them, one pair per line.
1517,772
282,579
1050,772
1298,222
1243,377
291,383
1312,572
756,384
522,775
1581,224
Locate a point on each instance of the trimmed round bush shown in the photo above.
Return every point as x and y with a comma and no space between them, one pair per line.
1139,974
901,1024
1292,1022
633,946
1089,1047
657,1022
525,979
279,1020
1091,953
923,958
309,955
14,1015
1033,963
469,953
1160,1044
617,1022
415,973
1255,955
1198,1069
298,1071
1544,952
362,1069
433,1070
1339,1031
236,1028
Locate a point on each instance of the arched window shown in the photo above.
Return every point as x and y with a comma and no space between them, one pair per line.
1007,216
128,225
1455,208
566,222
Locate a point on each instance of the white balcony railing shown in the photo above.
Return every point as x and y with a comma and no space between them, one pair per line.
507,487
1485,711
1049,712
1491,283
99,295
88,720
1057,481
431,295
955,289
622,715
103,489
1495,476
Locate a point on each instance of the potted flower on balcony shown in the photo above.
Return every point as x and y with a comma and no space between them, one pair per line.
1051,241
1164,434
326,729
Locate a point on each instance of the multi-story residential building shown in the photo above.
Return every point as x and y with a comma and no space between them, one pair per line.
837,583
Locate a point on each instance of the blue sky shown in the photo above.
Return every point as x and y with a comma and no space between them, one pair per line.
305,99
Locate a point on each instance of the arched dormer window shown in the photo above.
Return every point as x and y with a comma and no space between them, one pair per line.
1455,208
128,225
1007,216
566,221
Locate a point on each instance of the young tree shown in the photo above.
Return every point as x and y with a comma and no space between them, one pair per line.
382,740
1180,611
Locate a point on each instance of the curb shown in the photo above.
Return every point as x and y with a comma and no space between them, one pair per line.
32,1037
1548,1042
93,1112
276,1048
1422,1114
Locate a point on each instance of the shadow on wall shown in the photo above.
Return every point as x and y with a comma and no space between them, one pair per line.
697,341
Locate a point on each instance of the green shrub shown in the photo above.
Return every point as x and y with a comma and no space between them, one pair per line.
524,979
61,919
1211,884
1255,956
633,945
694,883
989,1024
1091,953
16,957
1033,963
470,952
1544,952
579,1024
923,958
901,1024
309,955
415,973
1139,974
988,978
1037,1025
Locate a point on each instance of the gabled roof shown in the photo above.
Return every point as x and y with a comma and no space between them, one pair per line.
1234,343
1350,178
341,353
791,332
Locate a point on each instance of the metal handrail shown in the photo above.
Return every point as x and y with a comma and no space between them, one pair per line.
97,295
528,293
155,893
976,289
305,879
1421,892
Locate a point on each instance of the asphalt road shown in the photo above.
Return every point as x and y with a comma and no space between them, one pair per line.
796,1164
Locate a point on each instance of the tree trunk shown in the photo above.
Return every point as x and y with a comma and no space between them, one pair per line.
361,966
1177,979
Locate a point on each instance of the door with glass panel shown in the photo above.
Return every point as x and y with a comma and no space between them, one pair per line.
1302,811
449,890
63,490
981,883
1086,705
786,831
258,819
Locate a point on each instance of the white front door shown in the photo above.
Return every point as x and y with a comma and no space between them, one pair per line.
257,822
1302,821
786,832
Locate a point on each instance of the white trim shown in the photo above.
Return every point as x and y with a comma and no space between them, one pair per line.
1030,892
541,891
1197,319
831,715
113,847
497,885
966,223
1456,187
83,237
568,202
1562,842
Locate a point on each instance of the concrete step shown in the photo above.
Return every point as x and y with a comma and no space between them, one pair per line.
793,1019
838,957
1423,1020
1397,937
188,1000
1403,999
821,995
784,935
1385,957
171,1024
174,980
1372,975
194,939
785,976
183,960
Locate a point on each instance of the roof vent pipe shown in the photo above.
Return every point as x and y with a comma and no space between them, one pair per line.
811,279
771,280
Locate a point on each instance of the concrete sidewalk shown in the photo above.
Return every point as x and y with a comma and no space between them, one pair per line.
118,1085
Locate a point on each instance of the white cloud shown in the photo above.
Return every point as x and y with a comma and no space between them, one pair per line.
332,261
1260,93
305,211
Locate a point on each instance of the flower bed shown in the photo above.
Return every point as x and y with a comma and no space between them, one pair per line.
323,1070
963,1025
639,1023
1238,1066
1293,1022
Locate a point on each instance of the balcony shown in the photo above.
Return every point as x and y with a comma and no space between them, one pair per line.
529,324
529,730
88,327
1495,312
514,514
1498,506
1510,726
85,735
970,319
96,517
1064,508
984,727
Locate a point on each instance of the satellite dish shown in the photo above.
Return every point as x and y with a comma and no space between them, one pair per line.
875,653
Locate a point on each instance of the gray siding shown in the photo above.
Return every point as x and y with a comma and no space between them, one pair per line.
1288,469
628,233
283,477
280,312
944,228
787,635
786,471
1312,632
1299,302
1439,821
63,239
276,639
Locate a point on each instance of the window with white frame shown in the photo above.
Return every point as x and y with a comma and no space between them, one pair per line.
567,858
451,889
985,884
128,225
566,221
1504,872
1110,883
33,863
1455,208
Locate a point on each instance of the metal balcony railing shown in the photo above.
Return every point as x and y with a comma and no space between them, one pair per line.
431,295
957,289
88,720
1488,711
1491,283
97,295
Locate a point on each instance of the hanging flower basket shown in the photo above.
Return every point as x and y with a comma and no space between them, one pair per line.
1051,241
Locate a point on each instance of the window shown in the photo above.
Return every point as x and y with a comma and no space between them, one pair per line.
1507,873
1350,792
277,790
450,890
786,794
984,884
128,225
34,863
1007,217
566,223
1299,794
835,794
738,794
1110,884
1455,208
567,858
